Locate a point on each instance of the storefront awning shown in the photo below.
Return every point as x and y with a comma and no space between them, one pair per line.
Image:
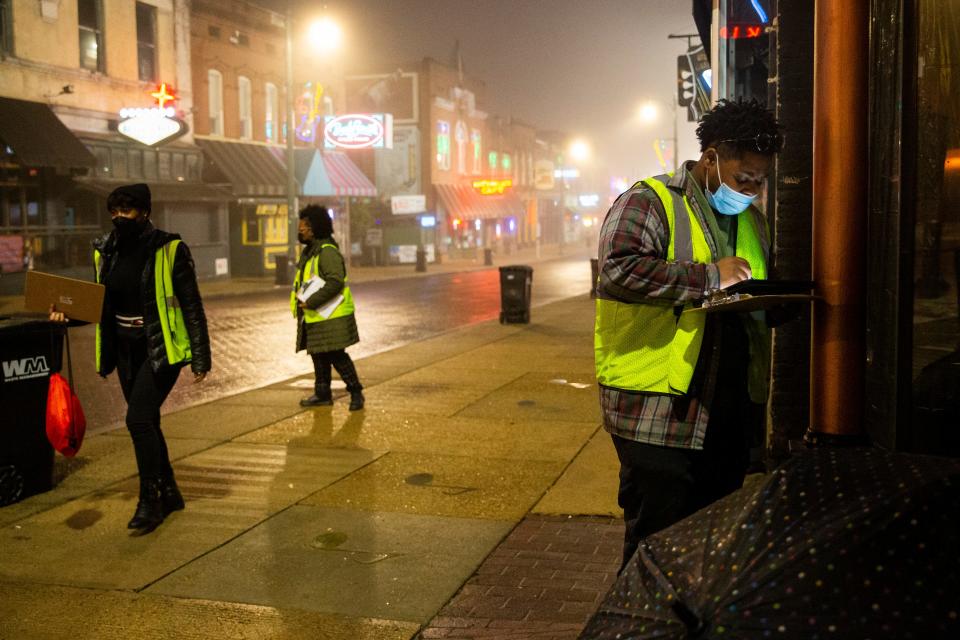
38,138
251,169
466,203
165,191
327,174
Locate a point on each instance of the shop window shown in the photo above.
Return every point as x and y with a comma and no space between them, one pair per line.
146,42
475,140
15,211
462,140
271,109
443,145
102,154
244,103
118,163
193,167
215,101
149,164
936,200
135,163
250,232
6,27
178,167
90,23
163,165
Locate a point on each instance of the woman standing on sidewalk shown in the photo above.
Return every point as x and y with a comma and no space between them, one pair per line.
151,326
326,325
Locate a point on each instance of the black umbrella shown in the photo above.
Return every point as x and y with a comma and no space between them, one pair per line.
836,543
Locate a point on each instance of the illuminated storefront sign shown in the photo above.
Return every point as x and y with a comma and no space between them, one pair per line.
152,125
492,187
359,131
589,199
741,31
566,173
408,204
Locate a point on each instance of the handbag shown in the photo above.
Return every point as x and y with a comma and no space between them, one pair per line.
66,423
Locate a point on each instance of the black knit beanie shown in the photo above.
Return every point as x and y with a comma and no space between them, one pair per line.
132,196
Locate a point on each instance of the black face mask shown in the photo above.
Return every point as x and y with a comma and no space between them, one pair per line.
128,228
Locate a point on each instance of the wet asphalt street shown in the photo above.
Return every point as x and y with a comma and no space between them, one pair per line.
252,336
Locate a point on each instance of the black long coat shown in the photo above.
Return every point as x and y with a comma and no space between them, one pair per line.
336,333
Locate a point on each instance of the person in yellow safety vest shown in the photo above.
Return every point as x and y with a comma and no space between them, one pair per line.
682,393
152,325
322,303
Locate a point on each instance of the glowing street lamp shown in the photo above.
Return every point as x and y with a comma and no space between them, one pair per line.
325,35
579,150
649,112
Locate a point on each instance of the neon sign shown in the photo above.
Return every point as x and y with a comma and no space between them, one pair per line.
152,125
492,187
359,131
741,31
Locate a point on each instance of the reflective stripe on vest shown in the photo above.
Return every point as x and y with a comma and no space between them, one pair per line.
175,337
96,277
312,268
654,348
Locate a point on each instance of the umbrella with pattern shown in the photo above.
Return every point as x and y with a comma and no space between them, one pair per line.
836,543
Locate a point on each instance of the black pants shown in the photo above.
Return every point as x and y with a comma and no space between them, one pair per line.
340,360
662,485
144,390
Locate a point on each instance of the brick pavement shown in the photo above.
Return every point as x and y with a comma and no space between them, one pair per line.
542,582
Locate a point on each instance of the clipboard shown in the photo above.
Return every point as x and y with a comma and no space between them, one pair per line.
747,302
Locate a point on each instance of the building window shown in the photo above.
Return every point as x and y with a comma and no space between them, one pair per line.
270,120
462,139
90,23
244,99
215,101
443,145
146,42
6,26
492,160
506,162
475,140
213,31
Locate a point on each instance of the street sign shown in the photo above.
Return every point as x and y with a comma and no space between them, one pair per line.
401,205
374,237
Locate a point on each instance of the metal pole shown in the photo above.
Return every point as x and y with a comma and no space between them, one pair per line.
292,217
676,149
840,118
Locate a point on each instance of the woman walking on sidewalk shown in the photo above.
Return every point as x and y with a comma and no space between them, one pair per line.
151,326
323,306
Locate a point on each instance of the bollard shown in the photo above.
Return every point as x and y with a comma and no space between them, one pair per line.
488,257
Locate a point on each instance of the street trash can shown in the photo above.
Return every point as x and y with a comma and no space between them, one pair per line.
30,350
421,259
515,283
488,257
594,276
282,273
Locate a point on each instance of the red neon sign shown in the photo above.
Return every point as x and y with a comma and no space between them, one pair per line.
741,31
162,96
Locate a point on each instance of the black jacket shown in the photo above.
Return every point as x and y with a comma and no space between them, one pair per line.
184,288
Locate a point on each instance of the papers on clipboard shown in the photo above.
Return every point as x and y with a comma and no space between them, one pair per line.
753,295
313,285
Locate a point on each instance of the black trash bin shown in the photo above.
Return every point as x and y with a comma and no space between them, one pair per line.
515,282
282,275
421,259
30,350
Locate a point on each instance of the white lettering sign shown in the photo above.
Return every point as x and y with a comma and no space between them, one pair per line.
359,131
408,204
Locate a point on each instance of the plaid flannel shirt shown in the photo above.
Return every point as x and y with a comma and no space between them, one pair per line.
633,268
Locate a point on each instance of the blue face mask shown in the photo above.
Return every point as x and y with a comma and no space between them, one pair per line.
727,201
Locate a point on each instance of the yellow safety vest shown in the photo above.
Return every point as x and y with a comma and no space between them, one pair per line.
654,349
312,268
176,340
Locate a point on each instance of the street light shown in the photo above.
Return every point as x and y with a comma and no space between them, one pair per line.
649,113
579,150
325,35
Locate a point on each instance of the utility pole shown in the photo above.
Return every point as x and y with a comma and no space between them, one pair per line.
292,219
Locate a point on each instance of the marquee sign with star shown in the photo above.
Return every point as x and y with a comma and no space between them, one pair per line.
153,125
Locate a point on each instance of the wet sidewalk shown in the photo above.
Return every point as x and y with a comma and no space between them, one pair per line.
475,497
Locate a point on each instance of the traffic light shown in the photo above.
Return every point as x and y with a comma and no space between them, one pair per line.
686,83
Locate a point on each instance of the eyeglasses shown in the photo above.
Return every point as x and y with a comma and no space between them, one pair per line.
762,142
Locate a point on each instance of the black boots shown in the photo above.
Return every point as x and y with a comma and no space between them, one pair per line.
170,497
356,397
322,396
149,513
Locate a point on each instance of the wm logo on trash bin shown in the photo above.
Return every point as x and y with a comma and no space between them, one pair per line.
25,368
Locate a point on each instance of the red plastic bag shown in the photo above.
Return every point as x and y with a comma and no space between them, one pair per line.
66,423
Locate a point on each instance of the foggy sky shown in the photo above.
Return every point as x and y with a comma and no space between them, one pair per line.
581,67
